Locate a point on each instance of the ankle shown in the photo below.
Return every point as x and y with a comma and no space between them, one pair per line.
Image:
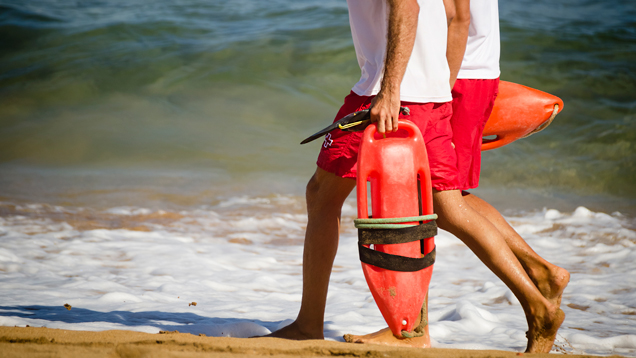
311,331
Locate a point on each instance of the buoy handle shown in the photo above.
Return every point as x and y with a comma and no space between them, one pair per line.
365,170
403,124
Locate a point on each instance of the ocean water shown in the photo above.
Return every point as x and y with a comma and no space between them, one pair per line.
229,89
150,157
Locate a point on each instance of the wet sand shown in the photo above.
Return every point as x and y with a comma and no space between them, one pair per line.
45,342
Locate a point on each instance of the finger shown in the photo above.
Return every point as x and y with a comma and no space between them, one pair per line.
396,122
389,123
380,125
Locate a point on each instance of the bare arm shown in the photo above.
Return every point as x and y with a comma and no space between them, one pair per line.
385,108
457,35
449,6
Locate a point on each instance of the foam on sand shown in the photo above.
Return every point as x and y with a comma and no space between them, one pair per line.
240,261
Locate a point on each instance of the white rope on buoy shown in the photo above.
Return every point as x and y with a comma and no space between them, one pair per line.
543,125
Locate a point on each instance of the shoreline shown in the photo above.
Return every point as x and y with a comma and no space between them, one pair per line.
105,188
39,341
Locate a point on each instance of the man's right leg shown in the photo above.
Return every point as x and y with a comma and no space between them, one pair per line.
543,316
325,195
550,279
473,100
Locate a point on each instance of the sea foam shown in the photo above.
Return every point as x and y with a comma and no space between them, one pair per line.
234,270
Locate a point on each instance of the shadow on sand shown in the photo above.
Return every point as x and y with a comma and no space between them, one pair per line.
161,321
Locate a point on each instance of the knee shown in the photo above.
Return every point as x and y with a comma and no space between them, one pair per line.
326,192
312,190
451,209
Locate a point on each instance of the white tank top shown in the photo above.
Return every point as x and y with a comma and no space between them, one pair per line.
481,60
427,75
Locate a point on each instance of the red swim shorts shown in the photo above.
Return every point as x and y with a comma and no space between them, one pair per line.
339,152
472,104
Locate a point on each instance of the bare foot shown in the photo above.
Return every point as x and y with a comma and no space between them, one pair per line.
541,335
295,332
386,337
551,282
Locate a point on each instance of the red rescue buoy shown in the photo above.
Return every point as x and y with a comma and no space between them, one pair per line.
394,165
518,112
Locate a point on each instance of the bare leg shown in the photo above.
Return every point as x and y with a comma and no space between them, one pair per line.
325,195
550,279
456,216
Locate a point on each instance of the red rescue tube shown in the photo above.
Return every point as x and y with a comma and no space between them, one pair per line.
392,165
518,112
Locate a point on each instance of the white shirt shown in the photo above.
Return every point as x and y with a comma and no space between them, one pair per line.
481,60
427,74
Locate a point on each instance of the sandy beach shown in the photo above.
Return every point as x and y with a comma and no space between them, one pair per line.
45,342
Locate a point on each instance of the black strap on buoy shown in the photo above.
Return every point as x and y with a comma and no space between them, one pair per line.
397,236
395,262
